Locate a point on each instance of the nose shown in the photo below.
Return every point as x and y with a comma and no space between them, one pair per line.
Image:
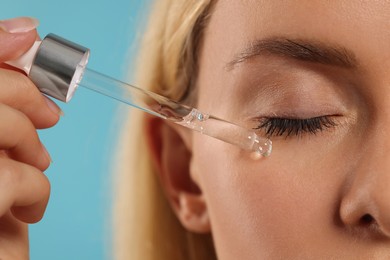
366,200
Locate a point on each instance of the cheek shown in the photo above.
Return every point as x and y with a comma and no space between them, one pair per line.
259,206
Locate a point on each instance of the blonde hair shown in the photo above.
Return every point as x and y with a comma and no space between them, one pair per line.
145,226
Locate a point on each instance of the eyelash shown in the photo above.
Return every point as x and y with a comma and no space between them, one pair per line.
292,126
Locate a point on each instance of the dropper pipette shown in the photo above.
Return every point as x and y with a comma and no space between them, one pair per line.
186,116
58,67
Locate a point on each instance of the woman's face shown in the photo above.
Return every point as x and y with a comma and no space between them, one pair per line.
314,77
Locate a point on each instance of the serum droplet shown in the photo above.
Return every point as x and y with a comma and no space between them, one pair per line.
256,156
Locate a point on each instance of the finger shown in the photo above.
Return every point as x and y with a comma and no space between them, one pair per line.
9,67
23,189
19,138
13,238
16,37
18,91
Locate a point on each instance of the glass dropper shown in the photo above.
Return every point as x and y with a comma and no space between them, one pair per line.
57,66
183,115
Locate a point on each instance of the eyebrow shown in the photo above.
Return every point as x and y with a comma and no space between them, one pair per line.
309,51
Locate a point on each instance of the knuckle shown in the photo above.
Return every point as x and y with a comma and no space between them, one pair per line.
20,87
23,122
14,116
23,127
8,174
17,129
22,81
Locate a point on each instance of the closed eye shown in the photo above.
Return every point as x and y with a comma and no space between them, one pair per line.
294,126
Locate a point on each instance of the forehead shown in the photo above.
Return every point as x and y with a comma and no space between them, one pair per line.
362,27
357,24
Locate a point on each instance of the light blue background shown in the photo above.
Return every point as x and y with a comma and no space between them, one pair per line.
77,223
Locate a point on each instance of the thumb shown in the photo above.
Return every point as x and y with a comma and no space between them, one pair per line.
17,35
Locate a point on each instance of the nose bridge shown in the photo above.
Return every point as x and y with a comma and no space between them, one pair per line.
377,138
372,172
368,192
375,142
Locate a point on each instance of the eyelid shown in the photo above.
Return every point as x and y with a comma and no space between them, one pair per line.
278,126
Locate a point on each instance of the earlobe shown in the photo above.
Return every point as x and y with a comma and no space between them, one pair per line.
172,153
193,213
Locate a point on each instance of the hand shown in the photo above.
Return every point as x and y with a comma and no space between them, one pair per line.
24,189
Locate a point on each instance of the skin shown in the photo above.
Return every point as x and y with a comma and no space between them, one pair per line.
318,196
24,189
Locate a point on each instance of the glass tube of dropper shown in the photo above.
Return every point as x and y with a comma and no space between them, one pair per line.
165,108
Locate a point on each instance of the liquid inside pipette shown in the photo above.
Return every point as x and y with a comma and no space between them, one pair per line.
165,108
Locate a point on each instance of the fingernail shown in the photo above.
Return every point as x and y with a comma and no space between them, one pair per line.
19,24
46,153
54,107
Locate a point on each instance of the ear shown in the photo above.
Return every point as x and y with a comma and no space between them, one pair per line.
170,146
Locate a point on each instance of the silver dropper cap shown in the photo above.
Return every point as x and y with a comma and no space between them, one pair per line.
58,67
